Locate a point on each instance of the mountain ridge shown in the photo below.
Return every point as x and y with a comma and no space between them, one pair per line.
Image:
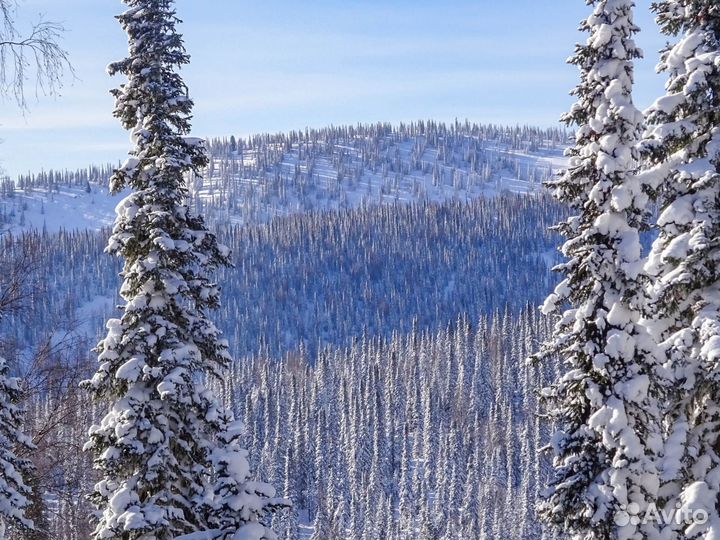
255,179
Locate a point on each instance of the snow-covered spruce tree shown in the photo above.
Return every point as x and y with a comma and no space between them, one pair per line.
167,451
14,469
683,148
607,424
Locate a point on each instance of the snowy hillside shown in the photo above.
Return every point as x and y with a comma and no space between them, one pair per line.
383,265
65,207
253,180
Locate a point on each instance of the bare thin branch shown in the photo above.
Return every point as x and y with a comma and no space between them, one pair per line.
37,56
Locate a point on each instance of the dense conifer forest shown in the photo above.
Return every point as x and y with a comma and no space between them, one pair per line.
397,331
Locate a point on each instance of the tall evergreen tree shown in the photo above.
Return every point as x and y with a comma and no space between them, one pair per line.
608,431
167,451
15,471
683,150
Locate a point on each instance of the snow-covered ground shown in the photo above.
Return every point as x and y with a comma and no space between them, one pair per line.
70,208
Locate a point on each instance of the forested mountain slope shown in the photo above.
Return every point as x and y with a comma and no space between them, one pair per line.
428,435
380,308
324,278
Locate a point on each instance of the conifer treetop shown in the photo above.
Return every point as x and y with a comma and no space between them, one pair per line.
154,103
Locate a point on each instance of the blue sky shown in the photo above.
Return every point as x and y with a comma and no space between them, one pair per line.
275,65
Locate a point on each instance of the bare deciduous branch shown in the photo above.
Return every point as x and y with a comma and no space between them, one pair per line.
35,56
